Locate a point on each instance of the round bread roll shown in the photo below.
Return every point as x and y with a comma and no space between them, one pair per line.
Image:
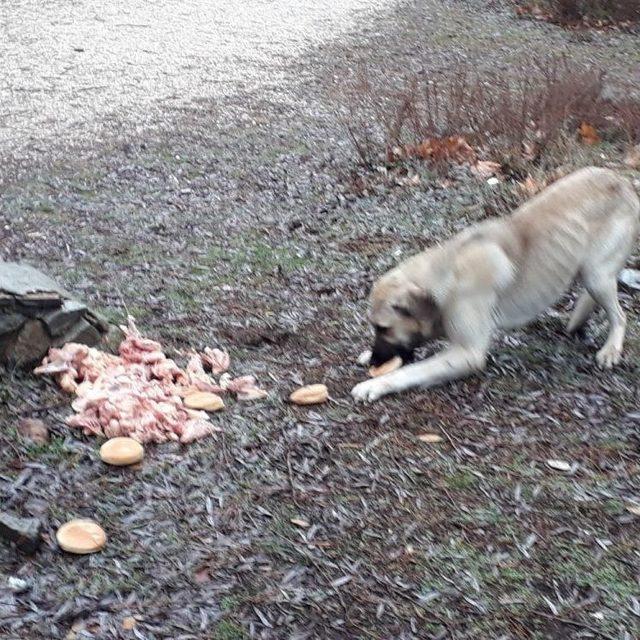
121,451
204,401
311,394
387,367
81,536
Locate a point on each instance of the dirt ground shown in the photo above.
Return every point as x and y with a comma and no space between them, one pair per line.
232,222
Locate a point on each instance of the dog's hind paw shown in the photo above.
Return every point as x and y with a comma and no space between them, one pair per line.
608,356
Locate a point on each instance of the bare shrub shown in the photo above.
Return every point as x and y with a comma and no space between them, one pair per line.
586,12
511,120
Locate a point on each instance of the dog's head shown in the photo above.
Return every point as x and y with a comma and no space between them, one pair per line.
403,315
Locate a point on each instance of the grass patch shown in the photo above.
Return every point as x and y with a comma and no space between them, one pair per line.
227,630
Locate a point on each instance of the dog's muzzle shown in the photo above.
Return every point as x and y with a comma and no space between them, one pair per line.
383,351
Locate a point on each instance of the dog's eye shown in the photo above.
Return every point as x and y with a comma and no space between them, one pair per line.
402,311
380,330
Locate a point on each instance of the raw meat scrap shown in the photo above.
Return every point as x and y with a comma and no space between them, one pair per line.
139,392
216,360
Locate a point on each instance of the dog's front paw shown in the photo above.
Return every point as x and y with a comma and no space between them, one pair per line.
608,356
369,390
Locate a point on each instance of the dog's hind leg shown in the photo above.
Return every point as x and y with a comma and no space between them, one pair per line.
583,309
604,291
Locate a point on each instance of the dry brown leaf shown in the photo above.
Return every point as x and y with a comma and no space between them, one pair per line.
202,575
430,438
300,523
216,360
451,149
245,388
34,430
632,159
530,150
128,623
530,186
486,168
588,133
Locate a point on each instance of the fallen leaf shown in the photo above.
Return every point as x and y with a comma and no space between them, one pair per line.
632,159
128,623
430,438
634,509
34,430
216,360
588,133
530,150
559,465
530,186
486,168
451,149
202,575
245,388
300,523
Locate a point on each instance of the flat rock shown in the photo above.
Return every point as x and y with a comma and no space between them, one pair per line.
10,322
30,346
33,303
63,319
23,532
25,280
82,332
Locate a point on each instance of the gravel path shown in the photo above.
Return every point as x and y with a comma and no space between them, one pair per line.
66,66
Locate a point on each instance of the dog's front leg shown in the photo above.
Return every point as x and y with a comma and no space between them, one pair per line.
455,362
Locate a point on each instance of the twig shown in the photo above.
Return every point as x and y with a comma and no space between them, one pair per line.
450,439
294,493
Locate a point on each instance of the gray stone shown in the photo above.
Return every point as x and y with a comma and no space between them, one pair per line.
7,301
98,321
30,346
36,313
62,320
23,532
82,332
33,303
112,339
23,280
10,322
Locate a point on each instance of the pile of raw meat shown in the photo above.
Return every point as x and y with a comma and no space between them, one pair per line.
139,393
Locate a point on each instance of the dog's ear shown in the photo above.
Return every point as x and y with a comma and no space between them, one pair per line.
415,303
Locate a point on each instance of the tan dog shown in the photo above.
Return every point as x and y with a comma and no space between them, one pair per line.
501,274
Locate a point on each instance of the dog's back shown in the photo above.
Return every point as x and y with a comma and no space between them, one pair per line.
589,217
